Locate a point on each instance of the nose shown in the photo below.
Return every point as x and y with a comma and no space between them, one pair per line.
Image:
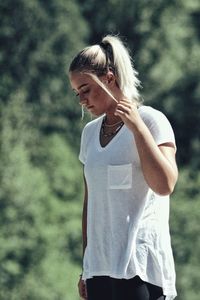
82,100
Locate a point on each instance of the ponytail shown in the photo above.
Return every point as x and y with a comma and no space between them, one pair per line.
124,70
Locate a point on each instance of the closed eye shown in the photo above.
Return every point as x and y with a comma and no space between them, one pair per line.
82,91
86,91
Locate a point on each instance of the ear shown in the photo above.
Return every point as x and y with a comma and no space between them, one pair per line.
110,78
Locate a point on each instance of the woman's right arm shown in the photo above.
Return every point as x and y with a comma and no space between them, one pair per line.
81,283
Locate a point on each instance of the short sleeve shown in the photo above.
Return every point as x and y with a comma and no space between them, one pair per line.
158,125
82,153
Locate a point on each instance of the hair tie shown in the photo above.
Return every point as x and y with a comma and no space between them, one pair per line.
104,46
107,48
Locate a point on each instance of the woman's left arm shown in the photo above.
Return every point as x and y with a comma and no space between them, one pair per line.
158,162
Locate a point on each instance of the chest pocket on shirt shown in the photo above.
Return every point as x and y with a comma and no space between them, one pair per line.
120,177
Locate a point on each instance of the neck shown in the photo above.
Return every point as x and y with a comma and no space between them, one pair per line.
111,119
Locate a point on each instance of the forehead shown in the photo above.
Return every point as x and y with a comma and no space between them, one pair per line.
79,79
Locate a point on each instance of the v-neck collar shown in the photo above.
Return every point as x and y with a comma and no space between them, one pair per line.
113,140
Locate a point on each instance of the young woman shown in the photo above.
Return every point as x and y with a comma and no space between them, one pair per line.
130,170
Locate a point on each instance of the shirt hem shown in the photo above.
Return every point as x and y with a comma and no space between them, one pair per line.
169,293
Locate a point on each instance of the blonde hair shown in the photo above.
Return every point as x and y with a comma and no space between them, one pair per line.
110,55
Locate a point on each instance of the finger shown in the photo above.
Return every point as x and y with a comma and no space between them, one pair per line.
129,104
120,113
126,101
82,290
123,108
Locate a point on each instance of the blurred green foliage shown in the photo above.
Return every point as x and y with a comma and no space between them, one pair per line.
40,127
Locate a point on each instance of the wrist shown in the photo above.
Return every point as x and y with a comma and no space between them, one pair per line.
137,127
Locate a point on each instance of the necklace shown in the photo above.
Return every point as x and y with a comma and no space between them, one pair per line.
112,133
111,125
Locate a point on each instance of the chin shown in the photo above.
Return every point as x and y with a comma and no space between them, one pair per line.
96,113
99,114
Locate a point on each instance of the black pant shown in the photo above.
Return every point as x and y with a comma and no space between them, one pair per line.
106,288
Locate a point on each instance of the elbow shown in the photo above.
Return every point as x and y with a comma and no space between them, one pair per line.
166,187
163,184
165,191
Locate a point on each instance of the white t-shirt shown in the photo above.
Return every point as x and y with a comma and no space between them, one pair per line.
127,223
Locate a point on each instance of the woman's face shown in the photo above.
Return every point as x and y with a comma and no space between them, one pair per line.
91,94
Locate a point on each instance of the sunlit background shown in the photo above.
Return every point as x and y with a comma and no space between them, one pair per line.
40,127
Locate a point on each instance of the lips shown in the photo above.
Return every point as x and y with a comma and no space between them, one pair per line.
89,107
